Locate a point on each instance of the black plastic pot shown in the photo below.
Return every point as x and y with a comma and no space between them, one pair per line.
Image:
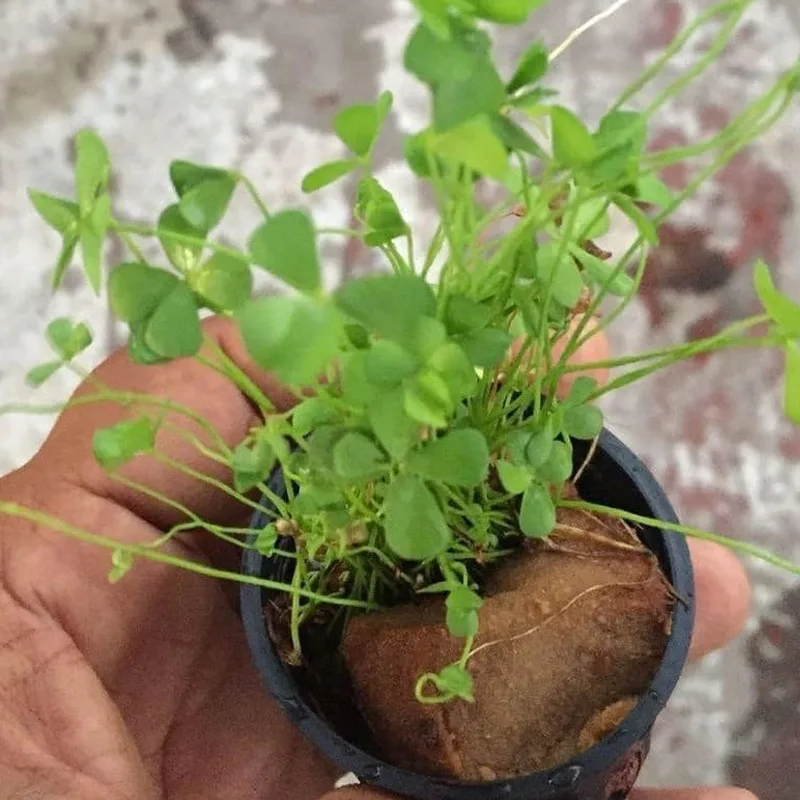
607,771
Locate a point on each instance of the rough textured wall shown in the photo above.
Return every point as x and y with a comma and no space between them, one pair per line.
253,83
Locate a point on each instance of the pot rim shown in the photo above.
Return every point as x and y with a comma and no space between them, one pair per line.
602,758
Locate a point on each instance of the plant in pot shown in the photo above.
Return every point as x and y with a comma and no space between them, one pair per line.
456,582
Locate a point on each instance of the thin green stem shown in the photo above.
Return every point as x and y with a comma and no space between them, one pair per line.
254,194
746,548
143,551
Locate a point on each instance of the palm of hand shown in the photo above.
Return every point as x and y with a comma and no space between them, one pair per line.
147,690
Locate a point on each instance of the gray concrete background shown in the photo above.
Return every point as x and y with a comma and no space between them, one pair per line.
254,83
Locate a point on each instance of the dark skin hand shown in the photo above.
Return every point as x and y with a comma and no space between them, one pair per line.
145,690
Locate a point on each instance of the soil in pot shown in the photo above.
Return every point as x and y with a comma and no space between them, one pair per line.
571,633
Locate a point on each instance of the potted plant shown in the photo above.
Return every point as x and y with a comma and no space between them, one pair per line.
455,581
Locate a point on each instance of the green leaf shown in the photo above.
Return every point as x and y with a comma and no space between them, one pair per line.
121,565
329,173
515,137
389,306
558,467
42,373
428,400
267,539
583,422
451,362
136,290
642,222
416,529
204,205
115,446
459,458
539,447
92,169
583,387
185,175
182,255
791,383
392,426
462,606
251,464
456,680
486,348
613,166
515,479
590,220
376,207
286,246
573,145
506,12
557,269
435,59
781,310
357,457
388,364
537,515
61,215
92,234
310,414
458,101
173,330
620,285
358,126
357,391
462,314
293,337
531,68
224,282
651,189
619,128
68,339
475,146
139,352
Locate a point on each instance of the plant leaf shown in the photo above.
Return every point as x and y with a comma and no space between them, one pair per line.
310,414
486,348
185,175
557,269
583,387
651,189
391,424
539,447
267,539
506,12
791,383
434,58
427,400
291,336
357,457
451,362
135,290
115,446
515,137
68,339
531,68
252,464
92,169
121,565
416,529
462,314
92,234
61,215
642,222
224,283
204,205
389,306
388,364
583,422
456,680
42,373
459,458
618,128
620,285
458,101
515,479
784,312
68,247
376,207
182,255
358,126
326,174
573,145
558,467
173,330
537,515
286,246
474,145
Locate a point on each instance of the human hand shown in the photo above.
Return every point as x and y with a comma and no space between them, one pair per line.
147,690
